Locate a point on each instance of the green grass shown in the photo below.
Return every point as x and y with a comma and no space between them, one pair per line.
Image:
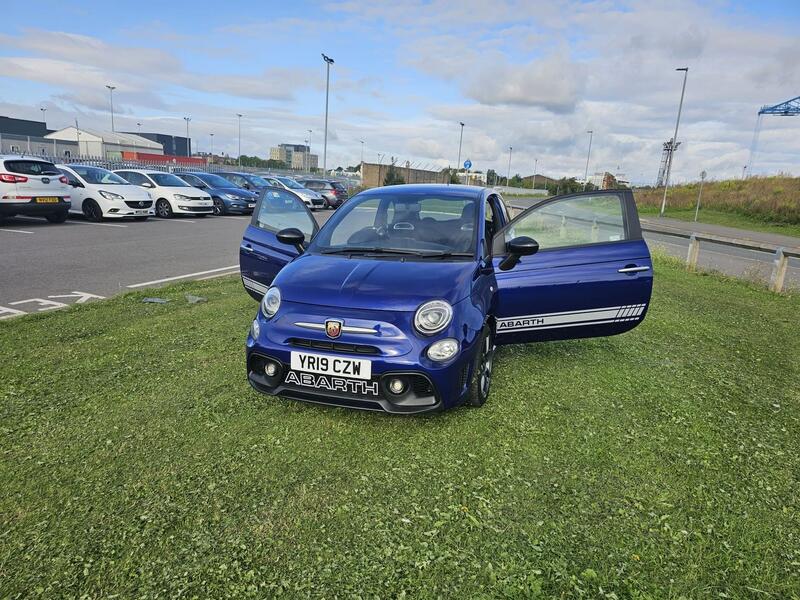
728,219
136,461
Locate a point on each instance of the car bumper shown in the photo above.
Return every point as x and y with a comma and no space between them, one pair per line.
429,386
195,210
33,208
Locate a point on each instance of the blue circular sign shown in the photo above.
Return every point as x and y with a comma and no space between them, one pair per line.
468,164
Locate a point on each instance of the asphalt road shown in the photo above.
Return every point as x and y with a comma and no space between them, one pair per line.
45,266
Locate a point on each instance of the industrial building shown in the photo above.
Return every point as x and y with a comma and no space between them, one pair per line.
105,144
172,145
296,156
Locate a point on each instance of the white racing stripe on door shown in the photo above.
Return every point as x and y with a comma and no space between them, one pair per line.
250,284
574,318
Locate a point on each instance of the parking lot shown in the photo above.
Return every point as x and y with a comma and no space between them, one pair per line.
47,266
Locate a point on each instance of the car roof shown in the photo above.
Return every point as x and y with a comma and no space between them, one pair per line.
24,157
440,189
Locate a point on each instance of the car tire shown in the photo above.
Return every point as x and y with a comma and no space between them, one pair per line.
481,379
163,208
141,218
219,207
92,211
58,217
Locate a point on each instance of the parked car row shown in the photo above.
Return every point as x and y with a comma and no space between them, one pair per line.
35,186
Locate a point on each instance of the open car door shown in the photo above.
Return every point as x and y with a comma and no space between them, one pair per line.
261,255
592,275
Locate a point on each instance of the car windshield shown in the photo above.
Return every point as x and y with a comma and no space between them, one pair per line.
290,183
167,180
31,167
213,180
424,224
337,185
257,181
96,175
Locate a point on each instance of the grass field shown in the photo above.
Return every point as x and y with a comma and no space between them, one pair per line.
728,219
136,461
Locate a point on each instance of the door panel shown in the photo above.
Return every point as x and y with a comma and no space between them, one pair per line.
261,255
591,277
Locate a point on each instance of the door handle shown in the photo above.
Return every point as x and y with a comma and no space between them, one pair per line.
633,269
247,247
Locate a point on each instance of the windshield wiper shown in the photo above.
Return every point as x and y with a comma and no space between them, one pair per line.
446,254
374,250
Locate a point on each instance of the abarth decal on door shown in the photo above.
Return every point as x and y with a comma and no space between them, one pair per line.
575,318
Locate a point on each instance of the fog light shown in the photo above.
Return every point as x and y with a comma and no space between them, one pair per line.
255,329
397,386
443,350
271,369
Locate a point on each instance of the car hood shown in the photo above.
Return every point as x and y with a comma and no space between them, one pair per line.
382,284
236,191
129,192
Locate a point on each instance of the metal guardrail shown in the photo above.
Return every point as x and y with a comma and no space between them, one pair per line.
781,254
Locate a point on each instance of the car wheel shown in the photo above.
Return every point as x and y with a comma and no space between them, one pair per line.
219,207
481,380
92,211
140,218
58,217
163,208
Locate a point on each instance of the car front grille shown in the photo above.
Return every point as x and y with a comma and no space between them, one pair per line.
334,346
139,203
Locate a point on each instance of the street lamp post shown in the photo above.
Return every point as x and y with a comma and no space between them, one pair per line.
588,154
111,89
508,173
188,150
44,115
212,145
362,151
239,116
328,62
535,165
674,141
460,139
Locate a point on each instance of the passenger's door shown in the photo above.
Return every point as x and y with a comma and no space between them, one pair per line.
592,275
261,255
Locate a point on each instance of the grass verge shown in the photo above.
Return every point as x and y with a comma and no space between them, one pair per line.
137,461
728,219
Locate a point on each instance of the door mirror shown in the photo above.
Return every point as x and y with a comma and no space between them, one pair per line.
291,236
517,247
147,184
75,183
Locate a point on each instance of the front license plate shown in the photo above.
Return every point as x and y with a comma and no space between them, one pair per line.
141,212
354,368
46,200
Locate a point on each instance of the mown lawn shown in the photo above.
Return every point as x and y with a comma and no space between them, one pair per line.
728,219
137,462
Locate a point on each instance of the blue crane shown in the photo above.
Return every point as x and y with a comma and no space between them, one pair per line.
790,108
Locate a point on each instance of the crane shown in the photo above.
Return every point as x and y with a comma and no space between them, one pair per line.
790,108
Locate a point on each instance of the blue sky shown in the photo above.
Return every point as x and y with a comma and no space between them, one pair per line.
532,75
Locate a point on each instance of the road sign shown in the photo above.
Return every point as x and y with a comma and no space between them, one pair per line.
468,164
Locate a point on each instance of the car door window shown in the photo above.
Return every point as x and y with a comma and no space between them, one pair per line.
280,209
193,181
573,221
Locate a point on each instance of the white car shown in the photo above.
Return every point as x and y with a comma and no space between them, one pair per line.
33,186
311,198
98,193
172,194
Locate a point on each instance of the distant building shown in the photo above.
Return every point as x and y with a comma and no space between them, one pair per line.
608,181
174,145
105,144
22,136
296,156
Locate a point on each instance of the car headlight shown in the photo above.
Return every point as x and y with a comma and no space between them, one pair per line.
231,196
111,195
443,350
180,197
271,302
433,316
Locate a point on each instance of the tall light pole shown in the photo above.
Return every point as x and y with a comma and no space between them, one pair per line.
508,173
328,62
44,115
212,145
460,139
111,89
674,141
699,194
535,165
588,154
239,116
362,151
188,150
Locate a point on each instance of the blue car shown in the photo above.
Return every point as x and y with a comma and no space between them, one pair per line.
398,302
228,198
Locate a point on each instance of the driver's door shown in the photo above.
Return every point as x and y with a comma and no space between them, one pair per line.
261,255
592,275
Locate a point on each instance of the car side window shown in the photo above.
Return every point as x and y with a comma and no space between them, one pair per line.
71,179
280,209
576,221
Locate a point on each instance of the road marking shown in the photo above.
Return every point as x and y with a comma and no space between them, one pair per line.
138,285
74,222
16,230
82,297
233,217
234,272
174,221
